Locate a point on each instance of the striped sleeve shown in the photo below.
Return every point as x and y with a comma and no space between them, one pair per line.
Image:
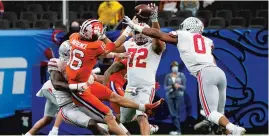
53,65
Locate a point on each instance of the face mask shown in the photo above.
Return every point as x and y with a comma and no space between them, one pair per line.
174,69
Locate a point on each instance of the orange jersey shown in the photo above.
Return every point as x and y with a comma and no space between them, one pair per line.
119,77
83,57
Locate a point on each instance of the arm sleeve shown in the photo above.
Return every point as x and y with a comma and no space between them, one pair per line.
167,87
184,80
53,65
101,49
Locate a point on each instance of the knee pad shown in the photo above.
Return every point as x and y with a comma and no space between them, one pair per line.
214,117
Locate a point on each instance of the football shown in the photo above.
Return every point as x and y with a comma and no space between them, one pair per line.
143,12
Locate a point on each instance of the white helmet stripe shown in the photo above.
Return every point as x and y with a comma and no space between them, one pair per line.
87,23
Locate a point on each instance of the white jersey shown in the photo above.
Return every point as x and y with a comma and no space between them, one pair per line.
62,97
195,51
47,85
143,64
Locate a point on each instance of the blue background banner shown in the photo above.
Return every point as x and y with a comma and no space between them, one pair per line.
242,54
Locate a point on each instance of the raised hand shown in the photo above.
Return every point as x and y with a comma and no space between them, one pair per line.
132,25
154,14
129,22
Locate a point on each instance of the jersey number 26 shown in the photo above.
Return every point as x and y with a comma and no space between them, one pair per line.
142,56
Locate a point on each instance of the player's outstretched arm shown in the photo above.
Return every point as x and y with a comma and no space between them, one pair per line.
152,32
105,39
58,81
60,84
126,33
158,45
115,67
118,55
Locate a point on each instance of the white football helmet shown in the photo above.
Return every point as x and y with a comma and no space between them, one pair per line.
140,38
193,25
64,51
91,29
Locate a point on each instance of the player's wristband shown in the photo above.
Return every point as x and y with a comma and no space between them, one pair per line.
127,31
110,46
154,20
96,70
77,86
141,107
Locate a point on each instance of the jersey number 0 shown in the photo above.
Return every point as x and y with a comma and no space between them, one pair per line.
199,44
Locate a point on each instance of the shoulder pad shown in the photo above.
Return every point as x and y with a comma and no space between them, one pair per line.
53,65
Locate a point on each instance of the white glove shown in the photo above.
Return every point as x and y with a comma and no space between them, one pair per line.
132,25
96,70
102,37
128,30
103,34
154,14
80,86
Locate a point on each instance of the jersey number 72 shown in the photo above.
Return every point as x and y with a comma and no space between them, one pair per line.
140,57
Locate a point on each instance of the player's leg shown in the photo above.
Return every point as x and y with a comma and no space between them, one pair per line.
93,104
50,111
127,114
116,88
145,96
75,115
120,91
47,118
57,123
207,92
222,100
104,93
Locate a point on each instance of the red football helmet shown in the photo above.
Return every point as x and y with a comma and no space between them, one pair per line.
91,29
